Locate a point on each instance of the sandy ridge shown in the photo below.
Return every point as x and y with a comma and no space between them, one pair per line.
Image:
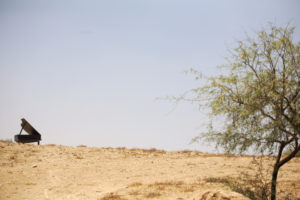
63,172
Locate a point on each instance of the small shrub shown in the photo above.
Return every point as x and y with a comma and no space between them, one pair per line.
186,152
134,193
112,196
217,180
136,184
167,183
152,195
154,150
77,156
189,189
256,187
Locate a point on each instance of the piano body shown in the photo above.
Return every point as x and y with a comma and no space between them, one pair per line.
34,135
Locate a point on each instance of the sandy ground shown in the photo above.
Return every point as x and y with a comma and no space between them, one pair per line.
61,172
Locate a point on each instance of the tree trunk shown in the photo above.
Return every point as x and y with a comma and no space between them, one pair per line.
274,181
279,163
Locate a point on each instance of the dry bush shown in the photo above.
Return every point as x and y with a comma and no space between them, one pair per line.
255,185
121,149
112,196
135,184
77,156
167,183
12,158
233,184
223,180
161,188
154,150
134,193
185,152
189,189
157,189
146,151
108,148
152,195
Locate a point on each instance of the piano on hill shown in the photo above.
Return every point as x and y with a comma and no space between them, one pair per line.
34,135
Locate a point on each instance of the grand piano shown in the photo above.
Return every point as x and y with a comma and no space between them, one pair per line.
34,135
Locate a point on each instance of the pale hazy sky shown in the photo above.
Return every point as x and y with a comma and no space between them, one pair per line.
88,72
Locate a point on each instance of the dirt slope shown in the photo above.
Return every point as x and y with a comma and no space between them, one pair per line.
62,172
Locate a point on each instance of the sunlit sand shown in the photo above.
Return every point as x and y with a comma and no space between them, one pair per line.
62,172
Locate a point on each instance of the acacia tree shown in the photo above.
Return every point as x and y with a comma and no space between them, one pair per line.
259,98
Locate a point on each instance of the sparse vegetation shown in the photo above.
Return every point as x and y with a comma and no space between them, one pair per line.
134,193
167,183
112,196
218,180
259,98
253,183
136,184
77,156
249,188
98,167
161,188
152,195
153,150
185,151
189,189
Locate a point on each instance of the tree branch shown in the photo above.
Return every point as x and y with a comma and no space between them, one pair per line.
292,155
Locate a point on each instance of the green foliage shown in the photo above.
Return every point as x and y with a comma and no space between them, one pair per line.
259,98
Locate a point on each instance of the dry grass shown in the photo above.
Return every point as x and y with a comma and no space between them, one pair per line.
152,195
225,180
167,184
153,150
189,188
148,151
77,156
161,189
134,193
135,184
112,196
289,190
73,172
12,157
121,148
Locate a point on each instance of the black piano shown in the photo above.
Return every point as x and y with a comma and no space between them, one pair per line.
34,135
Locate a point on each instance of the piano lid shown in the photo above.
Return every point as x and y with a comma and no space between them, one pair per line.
28,128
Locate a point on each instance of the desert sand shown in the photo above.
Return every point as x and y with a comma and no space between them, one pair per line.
32,172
